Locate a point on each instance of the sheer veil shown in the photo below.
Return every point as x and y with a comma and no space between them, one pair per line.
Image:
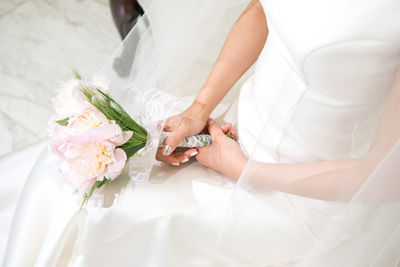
156,72
359,227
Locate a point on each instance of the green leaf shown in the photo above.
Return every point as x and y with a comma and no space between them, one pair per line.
114,111
230,136
96,185
63,122
76,74
131,149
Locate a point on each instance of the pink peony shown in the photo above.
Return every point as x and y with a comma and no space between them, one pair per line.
87,162
86,147
92,156
87,118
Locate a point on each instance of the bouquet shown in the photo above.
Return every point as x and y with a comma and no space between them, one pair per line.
93,136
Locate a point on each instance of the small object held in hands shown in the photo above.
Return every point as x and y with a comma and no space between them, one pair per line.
199,140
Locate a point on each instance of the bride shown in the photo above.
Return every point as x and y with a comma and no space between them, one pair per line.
312,178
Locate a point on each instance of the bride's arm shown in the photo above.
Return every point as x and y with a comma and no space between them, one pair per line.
241,49
329,180
337,178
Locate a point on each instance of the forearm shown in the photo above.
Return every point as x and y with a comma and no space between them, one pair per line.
335,180
241,49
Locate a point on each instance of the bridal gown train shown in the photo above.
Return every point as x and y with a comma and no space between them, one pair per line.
317,92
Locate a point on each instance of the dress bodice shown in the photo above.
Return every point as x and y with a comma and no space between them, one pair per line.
321,80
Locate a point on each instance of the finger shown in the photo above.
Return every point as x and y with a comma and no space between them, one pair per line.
227,128
200,156
171,142
167,127
235,134
213,128
191,152
167,159
174,159
180,157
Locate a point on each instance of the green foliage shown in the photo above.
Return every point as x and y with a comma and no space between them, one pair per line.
114,111
230,136
96,185
77,75
63,122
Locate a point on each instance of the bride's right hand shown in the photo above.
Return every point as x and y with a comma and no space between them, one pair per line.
190,122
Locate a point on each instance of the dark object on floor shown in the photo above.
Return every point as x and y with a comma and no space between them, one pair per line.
125,14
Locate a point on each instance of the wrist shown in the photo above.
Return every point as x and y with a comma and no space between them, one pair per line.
208,97
199,109
240,166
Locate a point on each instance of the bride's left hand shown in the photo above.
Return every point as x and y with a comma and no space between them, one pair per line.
224,154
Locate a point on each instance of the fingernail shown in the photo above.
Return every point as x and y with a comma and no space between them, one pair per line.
209,121
194,153
175,164
166,150
185,160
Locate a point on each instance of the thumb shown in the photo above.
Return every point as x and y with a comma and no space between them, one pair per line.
171,142
213,128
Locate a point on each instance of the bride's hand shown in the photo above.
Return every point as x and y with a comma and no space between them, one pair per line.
224,154
190,122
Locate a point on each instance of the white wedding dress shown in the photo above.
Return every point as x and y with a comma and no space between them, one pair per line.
297,107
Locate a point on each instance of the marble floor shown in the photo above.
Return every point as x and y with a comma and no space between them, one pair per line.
40,40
